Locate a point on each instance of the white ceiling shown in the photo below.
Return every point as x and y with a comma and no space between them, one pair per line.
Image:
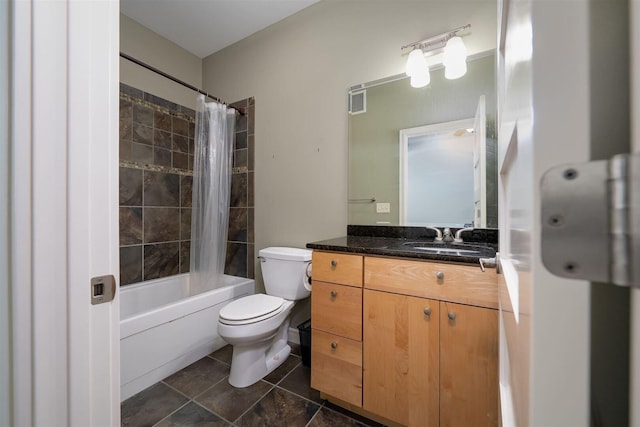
203,27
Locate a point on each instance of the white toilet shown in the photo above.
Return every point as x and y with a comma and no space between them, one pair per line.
257,326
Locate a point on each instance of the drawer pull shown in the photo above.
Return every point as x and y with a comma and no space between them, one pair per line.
334,294
440,275
334,345
334,263
427,311
452,315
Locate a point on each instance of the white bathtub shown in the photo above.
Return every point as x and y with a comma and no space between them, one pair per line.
162,329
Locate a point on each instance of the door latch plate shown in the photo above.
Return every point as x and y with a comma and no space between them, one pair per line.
103,289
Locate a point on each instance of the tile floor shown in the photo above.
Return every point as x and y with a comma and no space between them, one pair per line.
200,395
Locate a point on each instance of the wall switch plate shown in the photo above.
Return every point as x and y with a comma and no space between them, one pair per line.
383,207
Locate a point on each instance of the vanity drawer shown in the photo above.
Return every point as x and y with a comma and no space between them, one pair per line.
337,268
463,284
337,309
336,366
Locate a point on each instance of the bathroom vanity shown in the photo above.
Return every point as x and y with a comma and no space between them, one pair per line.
405,336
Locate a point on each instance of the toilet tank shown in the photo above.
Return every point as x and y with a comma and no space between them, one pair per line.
284,271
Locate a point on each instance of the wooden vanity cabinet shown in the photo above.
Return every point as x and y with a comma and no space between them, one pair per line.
425,350
462,356
336,326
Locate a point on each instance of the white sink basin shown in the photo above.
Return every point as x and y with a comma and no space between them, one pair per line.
452,251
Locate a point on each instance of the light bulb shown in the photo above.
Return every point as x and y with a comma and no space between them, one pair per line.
455,70
421,79
454,51
416,64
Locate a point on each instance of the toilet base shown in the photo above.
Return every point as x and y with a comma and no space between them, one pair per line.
250,363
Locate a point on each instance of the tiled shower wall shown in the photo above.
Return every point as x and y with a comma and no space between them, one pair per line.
156,174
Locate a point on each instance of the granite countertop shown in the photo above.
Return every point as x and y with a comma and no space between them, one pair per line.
402,247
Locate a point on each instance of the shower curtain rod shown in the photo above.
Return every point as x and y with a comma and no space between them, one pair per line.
174,79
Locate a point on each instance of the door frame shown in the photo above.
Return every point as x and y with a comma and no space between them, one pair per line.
64,212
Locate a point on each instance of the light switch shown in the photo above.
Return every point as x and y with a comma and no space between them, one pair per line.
383,207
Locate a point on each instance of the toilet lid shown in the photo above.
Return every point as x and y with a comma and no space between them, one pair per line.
252,307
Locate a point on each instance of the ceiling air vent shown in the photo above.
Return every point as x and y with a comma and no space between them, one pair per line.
358,102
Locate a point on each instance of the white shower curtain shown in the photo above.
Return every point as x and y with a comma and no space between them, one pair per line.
215,125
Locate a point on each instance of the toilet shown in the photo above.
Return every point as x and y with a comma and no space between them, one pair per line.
257,326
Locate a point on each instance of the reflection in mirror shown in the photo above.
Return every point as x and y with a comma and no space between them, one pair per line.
385,112
423,198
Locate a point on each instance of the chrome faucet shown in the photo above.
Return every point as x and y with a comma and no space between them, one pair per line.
446,235
458,238
438,237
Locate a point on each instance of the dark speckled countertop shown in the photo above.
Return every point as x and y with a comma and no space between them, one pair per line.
404,247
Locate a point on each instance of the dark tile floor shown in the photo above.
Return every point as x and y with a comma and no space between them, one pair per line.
200,395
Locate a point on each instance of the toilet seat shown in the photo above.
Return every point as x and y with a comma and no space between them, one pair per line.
251,309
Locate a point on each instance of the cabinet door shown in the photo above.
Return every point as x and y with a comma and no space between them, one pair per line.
468,365
401,358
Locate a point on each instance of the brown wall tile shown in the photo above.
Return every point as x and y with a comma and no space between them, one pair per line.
236,260
161,224
185,259
161,189
180,143
130,264
130,187
142,134
186,184
241,140
180,160
238,190
161,157
142,115
130,226
180,126
237,225
141,153
125,120
161,260
124,152
162,121
162,139
185,223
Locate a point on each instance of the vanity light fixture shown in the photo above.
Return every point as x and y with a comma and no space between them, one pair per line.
455,56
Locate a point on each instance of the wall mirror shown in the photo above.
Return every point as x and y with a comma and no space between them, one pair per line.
425,156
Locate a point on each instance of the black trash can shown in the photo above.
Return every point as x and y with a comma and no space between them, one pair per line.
304,329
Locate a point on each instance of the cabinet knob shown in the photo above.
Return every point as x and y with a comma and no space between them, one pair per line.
334,294
427,311
334,263
452,315
334,345
440,275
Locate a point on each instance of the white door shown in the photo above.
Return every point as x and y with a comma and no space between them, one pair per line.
559,92
480,165
635,140
64,212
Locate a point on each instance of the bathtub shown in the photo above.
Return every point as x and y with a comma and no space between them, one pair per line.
163,330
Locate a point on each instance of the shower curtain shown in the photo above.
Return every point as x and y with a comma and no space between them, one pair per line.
215,125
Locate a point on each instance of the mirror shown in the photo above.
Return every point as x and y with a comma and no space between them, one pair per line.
425,156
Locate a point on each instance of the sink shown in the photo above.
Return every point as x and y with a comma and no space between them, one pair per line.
452,251
447,248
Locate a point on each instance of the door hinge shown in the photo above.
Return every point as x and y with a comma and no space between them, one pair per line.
590,215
